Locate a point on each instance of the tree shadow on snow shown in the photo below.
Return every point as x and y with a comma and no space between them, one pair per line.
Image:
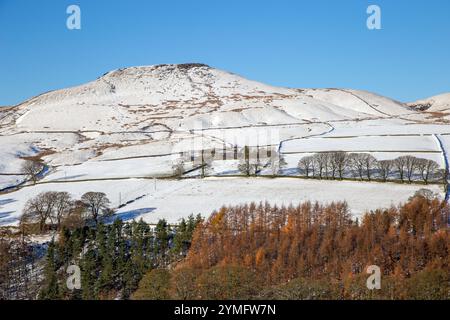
128,215
6,201
5,219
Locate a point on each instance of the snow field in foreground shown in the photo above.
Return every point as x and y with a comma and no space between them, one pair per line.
175,199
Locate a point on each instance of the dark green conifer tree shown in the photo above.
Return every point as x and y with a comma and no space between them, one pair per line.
50,289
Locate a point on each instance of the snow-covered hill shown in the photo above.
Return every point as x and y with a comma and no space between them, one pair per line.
439,103
129,124
179,95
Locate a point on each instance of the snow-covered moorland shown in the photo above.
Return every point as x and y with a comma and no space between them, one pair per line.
118,132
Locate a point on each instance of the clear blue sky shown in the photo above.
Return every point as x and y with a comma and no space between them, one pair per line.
320,43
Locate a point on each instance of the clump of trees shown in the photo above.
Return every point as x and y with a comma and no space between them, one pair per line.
313,251
254,251
251,160
52,210
363,166
113,258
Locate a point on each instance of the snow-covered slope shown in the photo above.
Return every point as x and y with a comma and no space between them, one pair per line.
439,103
132,123
139,106
360,101
179,95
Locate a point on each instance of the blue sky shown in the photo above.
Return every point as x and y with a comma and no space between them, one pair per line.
320,43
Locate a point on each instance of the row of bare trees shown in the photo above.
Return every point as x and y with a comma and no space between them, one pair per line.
251,160
53,209
340,165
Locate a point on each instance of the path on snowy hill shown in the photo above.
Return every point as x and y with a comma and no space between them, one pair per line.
331,129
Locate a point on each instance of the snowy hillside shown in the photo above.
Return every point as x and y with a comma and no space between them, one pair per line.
439,103
131,124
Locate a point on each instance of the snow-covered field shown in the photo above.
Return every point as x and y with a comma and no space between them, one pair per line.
363,144
131,124
173,199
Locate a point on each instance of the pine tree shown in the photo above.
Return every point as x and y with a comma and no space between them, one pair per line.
89,274
161,241
50,290
180,237
105,280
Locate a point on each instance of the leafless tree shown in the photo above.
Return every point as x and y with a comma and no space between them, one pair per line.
321,164
96,202
32,169
178,168
206,159
385,168
277,162
356,162
400,166
370,163
63,207
331,164
410,166
244,163
427,168
256,162
339,160
444,175
363,164
306,165
40,209
245,168
75,218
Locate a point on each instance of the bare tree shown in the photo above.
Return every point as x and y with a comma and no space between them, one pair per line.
363,164
339,160
256,160
75,218
32,169
245,168
63,207
244,163
356,162
40,209
331,164
427,168
178,168
369,163
444,175
400,165
306,165
96,202
321,164
410,166
277,162
206,158
385,168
